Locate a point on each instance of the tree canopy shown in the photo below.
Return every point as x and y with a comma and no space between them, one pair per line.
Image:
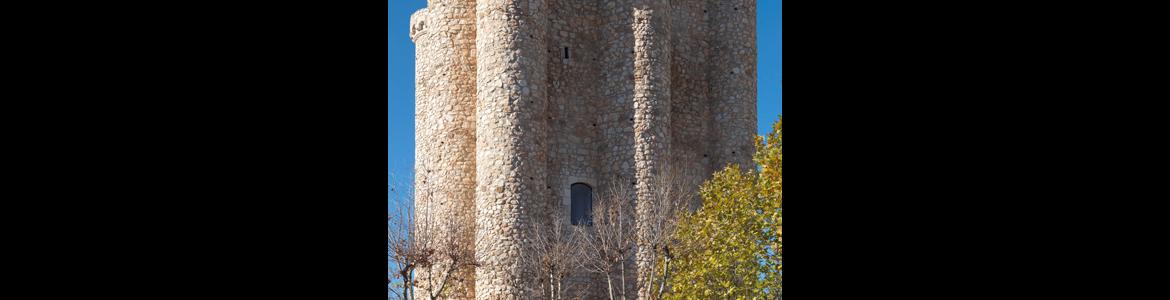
732,246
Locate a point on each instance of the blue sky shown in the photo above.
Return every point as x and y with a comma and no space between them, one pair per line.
401,82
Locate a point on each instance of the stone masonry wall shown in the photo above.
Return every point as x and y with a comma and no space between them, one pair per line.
652,123
616,110
511,163
732,75
573,67
690,113
444,36
646,86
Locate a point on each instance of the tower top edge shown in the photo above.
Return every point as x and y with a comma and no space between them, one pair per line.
418,23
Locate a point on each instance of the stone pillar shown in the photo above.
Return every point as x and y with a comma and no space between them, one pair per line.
615,119
444,37
510,166
651,124
690,105
616,112
733,81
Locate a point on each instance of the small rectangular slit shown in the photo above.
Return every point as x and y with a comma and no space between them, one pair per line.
566,52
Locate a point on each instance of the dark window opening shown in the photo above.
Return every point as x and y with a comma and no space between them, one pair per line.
566,52
582,204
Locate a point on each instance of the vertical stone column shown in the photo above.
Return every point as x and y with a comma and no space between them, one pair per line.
651,122
616,114
444,36
510,167
689,102
733,81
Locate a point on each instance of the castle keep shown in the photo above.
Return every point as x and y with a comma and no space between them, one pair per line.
517,100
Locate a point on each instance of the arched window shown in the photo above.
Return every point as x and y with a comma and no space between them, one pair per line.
582,204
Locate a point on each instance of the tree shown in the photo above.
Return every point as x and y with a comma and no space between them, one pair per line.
732,247
552,253
668,195
609,239
427,255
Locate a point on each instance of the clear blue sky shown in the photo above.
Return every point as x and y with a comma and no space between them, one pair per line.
401,84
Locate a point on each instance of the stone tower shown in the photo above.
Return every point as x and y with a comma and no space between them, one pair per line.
516,100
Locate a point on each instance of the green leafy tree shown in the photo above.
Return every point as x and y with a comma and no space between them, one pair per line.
732,247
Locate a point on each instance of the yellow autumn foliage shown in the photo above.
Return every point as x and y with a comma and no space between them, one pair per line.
732,247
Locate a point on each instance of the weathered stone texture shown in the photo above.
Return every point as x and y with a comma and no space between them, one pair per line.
444,37
652,112
519,99
510,139
733,80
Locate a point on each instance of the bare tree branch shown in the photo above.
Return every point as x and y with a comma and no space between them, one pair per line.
428,253
553,252
609,240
